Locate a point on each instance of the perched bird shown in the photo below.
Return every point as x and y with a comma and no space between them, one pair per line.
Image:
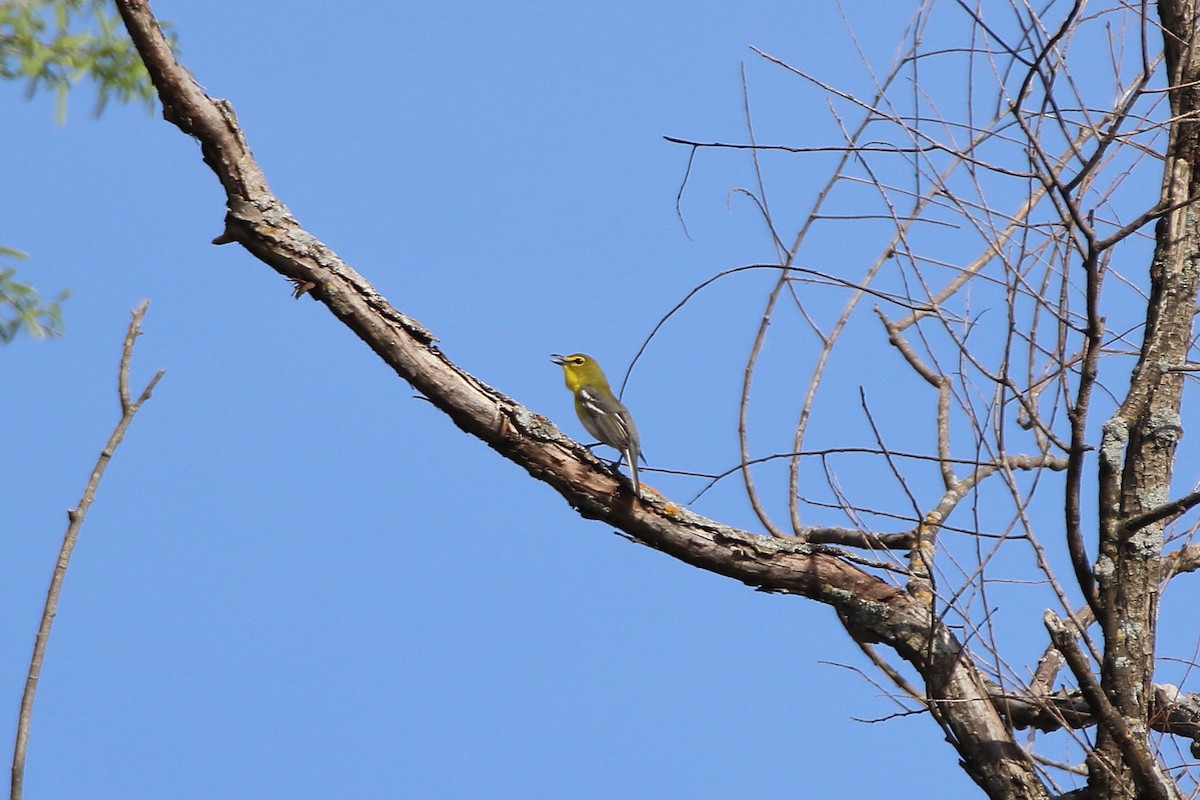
602,414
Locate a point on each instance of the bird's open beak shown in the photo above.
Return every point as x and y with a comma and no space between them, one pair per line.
557,359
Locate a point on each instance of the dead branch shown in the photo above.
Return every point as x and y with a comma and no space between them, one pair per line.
75,519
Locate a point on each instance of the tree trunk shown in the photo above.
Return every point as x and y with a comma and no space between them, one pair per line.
1148,426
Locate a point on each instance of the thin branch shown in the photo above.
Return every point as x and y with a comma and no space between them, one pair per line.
1147,773
1163,512
75,517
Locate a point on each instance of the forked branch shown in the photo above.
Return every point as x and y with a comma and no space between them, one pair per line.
75,518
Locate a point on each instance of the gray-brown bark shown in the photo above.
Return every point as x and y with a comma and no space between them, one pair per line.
1138,454
260,222
1135,465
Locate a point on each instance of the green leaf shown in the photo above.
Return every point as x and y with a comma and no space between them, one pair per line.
58,44
22,307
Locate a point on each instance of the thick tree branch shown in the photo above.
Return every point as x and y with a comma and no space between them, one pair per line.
261,223
1172,711
1139,444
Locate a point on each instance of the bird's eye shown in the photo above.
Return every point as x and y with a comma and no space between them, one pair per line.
577,361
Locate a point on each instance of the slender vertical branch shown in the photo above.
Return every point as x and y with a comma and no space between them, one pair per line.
75,518
1151,782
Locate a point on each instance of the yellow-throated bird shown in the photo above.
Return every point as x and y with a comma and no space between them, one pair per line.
602,414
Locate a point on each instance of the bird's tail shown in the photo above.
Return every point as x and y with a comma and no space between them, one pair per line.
637,487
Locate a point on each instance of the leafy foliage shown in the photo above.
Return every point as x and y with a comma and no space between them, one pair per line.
54,44
22,307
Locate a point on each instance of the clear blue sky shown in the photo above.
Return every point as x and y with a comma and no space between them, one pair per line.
300,581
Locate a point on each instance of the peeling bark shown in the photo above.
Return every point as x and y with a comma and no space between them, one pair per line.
1135,463
1138,475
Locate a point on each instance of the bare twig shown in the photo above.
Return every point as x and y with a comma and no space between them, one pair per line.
75,518
1152,783
1163,512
